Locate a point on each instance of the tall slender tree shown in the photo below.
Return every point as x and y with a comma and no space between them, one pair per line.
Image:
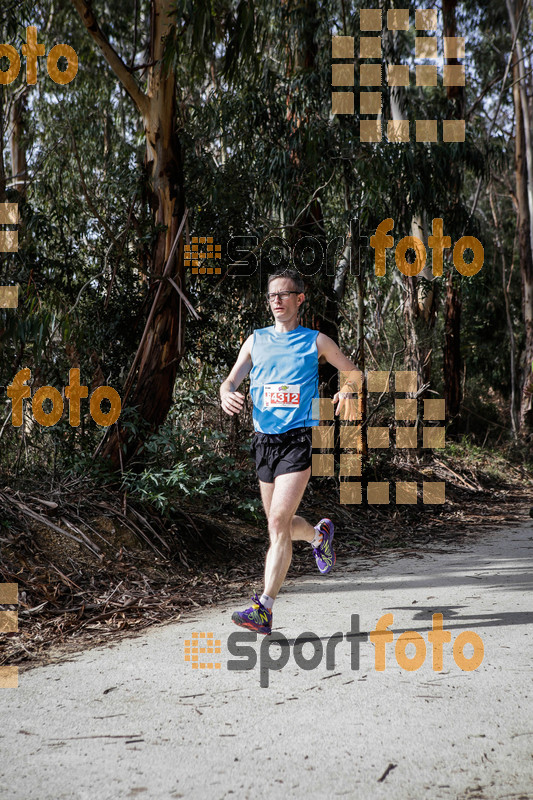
163,345
523,155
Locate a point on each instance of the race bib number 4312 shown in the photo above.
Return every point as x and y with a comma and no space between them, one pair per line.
280,395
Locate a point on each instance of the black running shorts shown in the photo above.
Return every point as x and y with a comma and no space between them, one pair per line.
281,453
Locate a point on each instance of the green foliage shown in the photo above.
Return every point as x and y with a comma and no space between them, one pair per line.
187,462
259,144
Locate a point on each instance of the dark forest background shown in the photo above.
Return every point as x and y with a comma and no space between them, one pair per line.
214,119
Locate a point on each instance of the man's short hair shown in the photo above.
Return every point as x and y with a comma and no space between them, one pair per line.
292,274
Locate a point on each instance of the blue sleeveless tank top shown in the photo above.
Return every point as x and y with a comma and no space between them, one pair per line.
283,379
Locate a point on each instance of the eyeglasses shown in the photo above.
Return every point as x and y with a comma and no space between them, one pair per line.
271,296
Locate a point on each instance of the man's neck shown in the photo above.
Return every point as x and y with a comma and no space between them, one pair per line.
286,327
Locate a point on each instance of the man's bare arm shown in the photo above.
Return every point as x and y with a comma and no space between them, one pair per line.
334,356
232,401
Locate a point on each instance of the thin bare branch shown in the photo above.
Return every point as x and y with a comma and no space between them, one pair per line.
111,56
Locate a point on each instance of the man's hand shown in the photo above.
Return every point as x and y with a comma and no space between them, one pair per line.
347,404
232,402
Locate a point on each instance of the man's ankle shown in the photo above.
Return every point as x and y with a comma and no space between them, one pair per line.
317,540
266,601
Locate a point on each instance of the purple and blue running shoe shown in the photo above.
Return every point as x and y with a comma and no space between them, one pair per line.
324,553
256,618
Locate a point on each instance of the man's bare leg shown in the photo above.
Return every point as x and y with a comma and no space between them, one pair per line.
284,501
301,530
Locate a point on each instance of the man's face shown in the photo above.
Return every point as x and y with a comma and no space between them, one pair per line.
284,309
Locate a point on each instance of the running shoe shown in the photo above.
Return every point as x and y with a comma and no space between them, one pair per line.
256,618
324,553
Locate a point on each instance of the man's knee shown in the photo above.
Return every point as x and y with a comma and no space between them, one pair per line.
279,525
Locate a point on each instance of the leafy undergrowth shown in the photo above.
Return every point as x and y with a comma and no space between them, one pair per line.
93,565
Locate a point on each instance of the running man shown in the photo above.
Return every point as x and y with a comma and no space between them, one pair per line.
283,360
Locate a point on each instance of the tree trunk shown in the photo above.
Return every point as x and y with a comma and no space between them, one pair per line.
525,255
3,127
310,222
419,302
19,167
508,315
163,346
452,312
452,348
